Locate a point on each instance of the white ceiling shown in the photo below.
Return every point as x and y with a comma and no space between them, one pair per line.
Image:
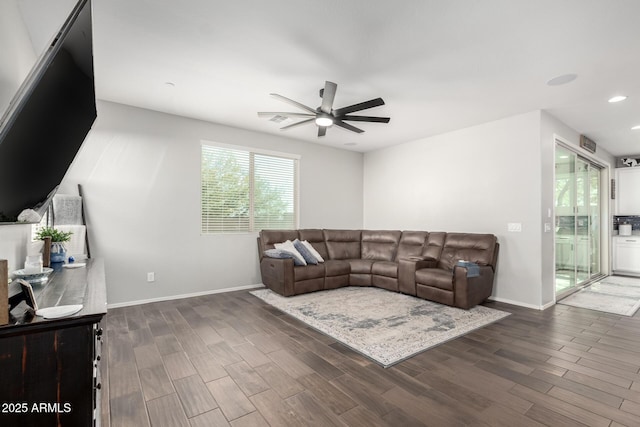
439,65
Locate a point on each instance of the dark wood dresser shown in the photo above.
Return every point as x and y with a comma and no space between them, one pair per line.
50,369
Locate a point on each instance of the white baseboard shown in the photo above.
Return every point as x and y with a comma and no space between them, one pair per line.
522,304
549,304
173,297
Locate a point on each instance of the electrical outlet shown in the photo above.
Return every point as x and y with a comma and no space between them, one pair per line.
514,227
151,276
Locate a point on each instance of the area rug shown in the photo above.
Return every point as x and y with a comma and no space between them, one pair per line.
386,327
613,294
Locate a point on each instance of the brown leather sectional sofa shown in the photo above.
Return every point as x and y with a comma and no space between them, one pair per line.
417,263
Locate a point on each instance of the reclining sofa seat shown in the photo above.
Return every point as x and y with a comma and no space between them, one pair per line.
369,254
278,274
448,283
417,263
343,248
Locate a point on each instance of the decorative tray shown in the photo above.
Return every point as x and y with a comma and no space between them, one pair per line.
33,277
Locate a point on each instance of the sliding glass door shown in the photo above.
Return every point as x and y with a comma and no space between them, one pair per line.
578,219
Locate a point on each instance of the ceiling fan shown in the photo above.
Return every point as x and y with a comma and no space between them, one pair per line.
325,116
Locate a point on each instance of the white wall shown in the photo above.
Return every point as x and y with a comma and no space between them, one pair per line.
16,52
550,129
140,171
17,58
26,29
14,239
476,179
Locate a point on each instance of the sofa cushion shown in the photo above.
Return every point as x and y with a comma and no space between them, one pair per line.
478,248
360,266
379,244
434,244
435,277
268,238
385,268
343,244
335,267
308,272
316,238
410,244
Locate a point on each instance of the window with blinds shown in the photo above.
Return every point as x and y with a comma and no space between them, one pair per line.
247,190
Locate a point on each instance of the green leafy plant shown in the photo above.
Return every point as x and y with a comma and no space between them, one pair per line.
56,235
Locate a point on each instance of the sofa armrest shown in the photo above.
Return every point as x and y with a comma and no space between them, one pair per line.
277,275
407,268
471,291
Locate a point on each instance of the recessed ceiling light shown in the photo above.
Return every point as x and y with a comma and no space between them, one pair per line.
562,80
617,98
170,84
636,127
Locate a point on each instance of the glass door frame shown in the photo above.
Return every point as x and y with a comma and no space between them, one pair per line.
604,212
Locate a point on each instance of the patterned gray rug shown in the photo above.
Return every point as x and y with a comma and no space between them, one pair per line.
613,294
386,327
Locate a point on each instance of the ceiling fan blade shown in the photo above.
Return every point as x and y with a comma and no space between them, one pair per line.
347,126
292,102
328,95
322,131
285,114
358,107
366,119
303,122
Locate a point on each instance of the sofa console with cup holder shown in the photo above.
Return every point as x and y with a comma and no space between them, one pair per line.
456,269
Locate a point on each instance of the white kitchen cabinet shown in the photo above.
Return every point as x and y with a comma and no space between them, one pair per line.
583,255
626,254
564,252
628,191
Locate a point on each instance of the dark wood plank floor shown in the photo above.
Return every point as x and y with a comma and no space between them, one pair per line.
230,359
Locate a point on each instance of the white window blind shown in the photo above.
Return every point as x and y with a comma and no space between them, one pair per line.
246,191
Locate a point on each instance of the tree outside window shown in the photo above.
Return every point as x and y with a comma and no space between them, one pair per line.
245,191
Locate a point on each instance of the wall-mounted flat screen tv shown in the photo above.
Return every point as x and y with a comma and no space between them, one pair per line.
48,119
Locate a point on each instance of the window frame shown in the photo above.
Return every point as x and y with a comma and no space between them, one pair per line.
252,150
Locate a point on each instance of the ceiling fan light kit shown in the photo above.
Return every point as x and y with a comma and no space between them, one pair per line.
324,121
325,116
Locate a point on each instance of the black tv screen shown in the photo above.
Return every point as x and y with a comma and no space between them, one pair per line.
48,119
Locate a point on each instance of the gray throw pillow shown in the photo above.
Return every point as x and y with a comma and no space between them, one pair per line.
288,246
306,253
313,251
281,254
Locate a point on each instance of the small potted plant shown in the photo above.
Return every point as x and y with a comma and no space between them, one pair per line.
58,249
